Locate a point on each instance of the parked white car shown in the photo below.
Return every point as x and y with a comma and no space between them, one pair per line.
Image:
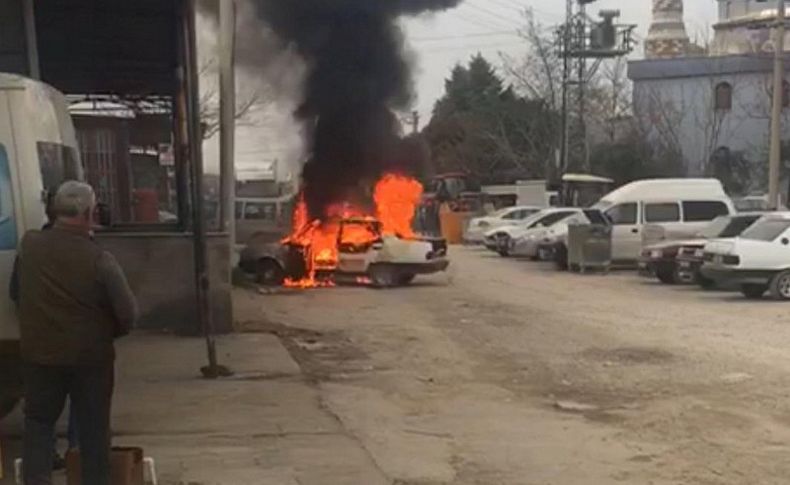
479,226
756,262
522,239
554,243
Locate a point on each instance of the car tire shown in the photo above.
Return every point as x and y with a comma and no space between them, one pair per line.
706,283
268,272
406,279
503,245
383,277
666,276
753,291
780,286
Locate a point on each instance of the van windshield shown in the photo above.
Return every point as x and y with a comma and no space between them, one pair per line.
766,229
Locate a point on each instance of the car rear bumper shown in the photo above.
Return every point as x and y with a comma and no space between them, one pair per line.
689,269
650,267
730,276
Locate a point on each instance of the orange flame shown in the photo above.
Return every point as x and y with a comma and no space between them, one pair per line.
396,198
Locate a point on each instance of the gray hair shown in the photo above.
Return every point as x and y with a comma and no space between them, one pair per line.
73,199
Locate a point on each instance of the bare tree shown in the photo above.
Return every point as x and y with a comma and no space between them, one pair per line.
250,103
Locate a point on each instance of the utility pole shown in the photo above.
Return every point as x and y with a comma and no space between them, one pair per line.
227,118
776,113
415,122
565,43
584,38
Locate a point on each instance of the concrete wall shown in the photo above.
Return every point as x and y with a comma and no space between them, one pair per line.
674,101
160,270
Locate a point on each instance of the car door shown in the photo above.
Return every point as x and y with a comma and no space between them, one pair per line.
626,237
9,235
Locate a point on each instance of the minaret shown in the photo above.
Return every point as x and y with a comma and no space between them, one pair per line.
667,36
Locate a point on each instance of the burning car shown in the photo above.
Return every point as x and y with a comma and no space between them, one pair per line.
364,254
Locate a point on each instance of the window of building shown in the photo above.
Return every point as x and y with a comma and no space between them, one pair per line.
8,234
663,212
623,214
723,101
695,211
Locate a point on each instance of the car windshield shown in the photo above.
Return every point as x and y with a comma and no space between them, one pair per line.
766,229
716,227
551,219
595,216
736,226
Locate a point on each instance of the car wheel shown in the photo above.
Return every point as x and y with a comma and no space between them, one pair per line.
780,286
406,279
269,273
383,277
503,245
753,291
666,276
706,283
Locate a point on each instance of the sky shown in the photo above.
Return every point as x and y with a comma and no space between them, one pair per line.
439,42
489,27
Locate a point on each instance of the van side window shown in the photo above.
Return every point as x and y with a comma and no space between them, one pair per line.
665,212
703,210
260,211
8,234
623,214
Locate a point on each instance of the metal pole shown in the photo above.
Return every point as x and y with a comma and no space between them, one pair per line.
227,127
195,142
31,40
585,153
566,45
776,113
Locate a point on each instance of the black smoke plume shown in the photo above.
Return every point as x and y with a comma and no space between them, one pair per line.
358,76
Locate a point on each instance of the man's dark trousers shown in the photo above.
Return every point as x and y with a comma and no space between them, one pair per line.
90,389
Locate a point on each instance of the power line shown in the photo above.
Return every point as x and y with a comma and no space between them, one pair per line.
515,4
484,23
470,47
491,14
465,36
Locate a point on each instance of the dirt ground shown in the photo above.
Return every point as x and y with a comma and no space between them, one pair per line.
508,372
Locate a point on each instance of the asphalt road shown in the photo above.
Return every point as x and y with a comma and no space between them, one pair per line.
508,372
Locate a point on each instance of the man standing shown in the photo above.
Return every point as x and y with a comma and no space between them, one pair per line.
74,300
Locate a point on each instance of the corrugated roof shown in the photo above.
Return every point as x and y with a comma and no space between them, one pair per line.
108,46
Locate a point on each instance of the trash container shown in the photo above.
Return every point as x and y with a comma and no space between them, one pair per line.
589,247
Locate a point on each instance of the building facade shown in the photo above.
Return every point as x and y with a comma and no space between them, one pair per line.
712,106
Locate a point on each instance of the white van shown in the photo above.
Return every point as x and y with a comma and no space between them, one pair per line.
38,151
682,207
